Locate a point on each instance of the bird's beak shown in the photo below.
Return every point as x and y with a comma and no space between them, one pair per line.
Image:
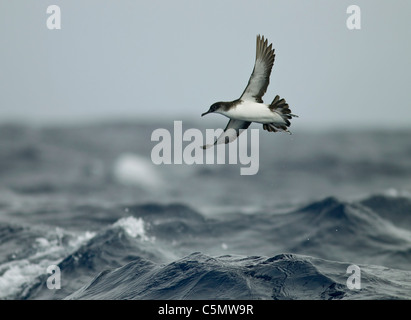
205,113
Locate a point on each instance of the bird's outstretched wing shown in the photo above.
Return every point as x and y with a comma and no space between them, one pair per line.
260,78
231,132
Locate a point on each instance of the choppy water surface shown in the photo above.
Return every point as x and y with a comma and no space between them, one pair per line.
89,200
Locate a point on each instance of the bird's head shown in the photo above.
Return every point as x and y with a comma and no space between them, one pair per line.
216,107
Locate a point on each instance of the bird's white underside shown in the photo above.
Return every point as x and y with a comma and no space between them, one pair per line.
253,112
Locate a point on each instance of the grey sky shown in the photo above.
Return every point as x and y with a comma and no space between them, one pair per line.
135,59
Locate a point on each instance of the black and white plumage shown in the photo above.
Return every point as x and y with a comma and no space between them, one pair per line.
250,106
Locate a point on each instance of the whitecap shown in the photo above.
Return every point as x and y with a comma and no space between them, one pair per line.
134,227
48,250
395,193
134,170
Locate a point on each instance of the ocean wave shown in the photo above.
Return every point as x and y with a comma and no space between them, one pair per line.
198,276
89,200
28,252
141,252
122,242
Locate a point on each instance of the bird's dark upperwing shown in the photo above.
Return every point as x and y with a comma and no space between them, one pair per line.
260,78
231,132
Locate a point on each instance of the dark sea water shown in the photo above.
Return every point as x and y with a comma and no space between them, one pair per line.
88,199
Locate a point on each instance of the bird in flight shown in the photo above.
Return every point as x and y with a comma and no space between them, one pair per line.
250,107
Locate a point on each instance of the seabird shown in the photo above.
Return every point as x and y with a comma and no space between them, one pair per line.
250,106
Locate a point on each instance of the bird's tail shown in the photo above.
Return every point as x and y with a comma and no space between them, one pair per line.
281,107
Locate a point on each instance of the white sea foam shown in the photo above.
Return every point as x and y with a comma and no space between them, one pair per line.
48,250
395,193
131,169
135,227
81,238
18,273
